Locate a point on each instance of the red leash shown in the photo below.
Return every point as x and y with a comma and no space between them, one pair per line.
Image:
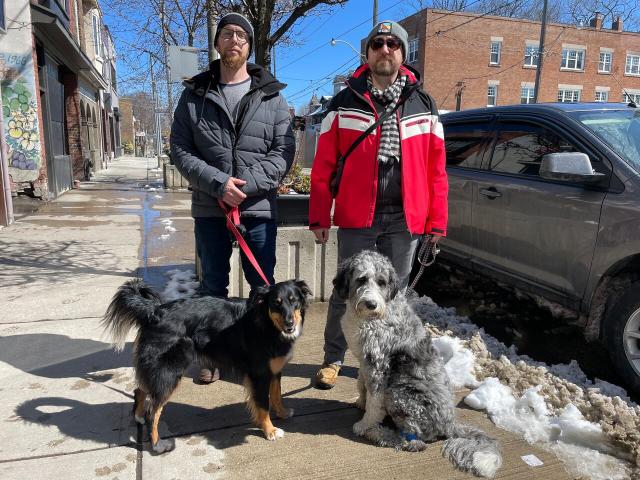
233,221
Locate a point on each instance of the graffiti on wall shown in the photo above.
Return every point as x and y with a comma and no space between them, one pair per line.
20,111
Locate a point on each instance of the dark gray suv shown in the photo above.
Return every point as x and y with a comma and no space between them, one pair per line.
546,198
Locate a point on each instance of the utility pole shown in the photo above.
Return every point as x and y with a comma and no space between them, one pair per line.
543,29
156,110
6,202
375,12
211,32
165,49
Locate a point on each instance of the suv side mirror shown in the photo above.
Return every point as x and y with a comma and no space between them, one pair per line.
569,167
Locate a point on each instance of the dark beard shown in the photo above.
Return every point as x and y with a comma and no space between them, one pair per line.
384,69
233,62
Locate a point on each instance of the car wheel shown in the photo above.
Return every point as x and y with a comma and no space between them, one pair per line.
622,335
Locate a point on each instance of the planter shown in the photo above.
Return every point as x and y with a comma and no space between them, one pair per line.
293,210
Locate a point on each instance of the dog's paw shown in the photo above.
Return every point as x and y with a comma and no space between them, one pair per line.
361,403
163,446
285,413
360,428
141,420
274,434
414,446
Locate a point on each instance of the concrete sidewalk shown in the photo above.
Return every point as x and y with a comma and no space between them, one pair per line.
65,395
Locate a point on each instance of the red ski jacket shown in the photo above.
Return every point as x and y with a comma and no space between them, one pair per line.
424,179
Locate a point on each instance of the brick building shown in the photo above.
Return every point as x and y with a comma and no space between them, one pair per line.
59,94
467,60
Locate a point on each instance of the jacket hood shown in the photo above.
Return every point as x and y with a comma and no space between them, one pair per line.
358,81
260,79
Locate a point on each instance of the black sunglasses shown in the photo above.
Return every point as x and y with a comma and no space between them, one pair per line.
391,42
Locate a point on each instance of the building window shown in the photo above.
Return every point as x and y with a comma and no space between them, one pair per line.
632,66
492,95
631,97
527,94
412,57
568,95
531,53
97,37
602,96
496,49
604,65
3,27
572,59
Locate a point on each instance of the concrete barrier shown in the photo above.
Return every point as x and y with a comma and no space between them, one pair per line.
172,177
298,255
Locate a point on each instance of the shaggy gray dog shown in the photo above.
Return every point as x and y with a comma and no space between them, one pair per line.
401,373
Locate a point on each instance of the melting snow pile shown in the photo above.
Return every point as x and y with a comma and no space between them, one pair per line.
592,427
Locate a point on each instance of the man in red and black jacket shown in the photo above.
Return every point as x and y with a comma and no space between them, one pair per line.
393,187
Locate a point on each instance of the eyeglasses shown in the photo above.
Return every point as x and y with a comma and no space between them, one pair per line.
227,34
392,43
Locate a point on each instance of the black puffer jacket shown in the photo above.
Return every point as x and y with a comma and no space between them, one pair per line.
207,148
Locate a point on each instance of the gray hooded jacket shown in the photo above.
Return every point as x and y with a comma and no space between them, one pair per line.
207,147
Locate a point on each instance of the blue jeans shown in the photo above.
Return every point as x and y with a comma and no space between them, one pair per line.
214,247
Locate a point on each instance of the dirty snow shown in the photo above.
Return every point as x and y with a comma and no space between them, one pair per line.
593,427
181,284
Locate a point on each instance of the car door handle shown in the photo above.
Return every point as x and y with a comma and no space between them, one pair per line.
490,192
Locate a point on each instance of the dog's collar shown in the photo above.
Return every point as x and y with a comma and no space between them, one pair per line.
408,436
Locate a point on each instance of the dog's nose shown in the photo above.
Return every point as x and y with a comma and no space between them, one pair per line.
370,304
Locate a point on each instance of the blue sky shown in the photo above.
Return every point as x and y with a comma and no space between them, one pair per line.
311,65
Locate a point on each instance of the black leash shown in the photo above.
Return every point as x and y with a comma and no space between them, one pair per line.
426,257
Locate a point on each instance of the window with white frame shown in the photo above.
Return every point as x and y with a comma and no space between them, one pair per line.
492,95
412,57
604,65
602,96
568,95
96,35
531,53
496,50
572,59
631,97
527,94
632,65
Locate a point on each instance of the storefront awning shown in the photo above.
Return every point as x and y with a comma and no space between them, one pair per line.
57,39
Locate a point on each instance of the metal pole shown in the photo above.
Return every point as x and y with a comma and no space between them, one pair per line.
375,12
6,202
543,30
156,114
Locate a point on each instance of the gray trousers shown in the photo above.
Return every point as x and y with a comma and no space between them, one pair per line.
388,235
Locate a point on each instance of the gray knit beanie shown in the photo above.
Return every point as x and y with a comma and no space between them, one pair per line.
235,19
389,27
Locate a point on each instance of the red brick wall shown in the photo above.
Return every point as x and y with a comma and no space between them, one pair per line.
73,121
448,56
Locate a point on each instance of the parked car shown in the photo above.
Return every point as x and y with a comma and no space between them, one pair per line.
545,198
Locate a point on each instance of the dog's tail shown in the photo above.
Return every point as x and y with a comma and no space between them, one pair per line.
470,449
133,305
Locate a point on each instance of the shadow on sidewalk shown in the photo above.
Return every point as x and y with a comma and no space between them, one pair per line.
85,421
22,263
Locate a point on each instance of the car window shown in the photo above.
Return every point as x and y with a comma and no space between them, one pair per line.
464,143
519,148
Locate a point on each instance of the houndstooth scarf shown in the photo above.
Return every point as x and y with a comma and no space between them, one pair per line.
389,133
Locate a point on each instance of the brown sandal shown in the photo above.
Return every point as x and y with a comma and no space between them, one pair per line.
208,376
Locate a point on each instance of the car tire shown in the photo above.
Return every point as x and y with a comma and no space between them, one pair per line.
622,335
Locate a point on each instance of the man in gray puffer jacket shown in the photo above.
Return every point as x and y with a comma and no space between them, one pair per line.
231,138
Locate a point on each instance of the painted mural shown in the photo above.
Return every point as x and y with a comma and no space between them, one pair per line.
20,115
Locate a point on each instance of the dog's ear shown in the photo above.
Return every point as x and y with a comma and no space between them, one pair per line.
304,288
258,296
394,283
342,280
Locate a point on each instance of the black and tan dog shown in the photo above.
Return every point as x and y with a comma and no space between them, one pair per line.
254,337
